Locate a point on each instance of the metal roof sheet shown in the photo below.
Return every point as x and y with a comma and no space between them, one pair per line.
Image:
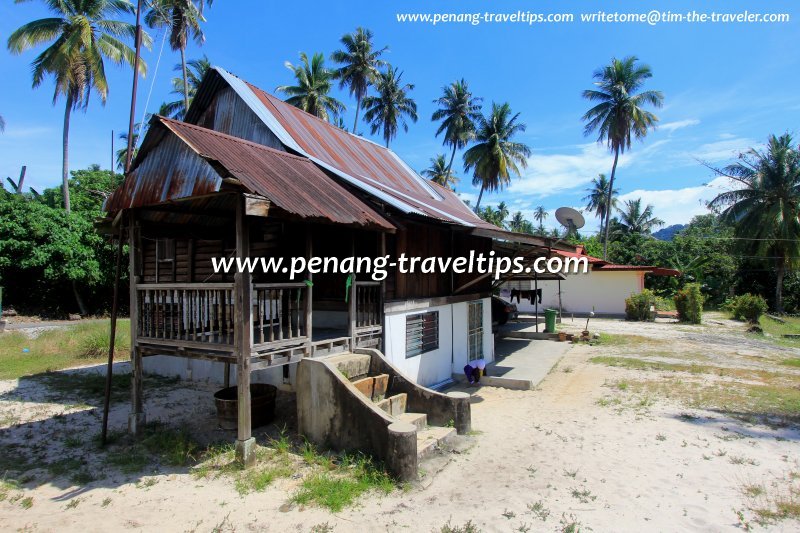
290,182
361,162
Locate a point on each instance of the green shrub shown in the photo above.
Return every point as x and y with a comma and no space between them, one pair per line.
689,304
638,306
747,307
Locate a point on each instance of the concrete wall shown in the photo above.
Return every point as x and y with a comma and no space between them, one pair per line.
438,365
212,372
605,291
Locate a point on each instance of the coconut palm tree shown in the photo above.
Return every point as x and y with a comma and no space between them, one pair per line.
495,156
80,35
196,69
458,111
540,215
439,173
619,113
764,210
635,220
517,222
182,19
360,63
390,107
122,153
312,92
597,199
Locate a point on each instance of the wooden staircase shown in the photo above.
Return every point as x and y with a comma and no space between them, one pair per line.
377,389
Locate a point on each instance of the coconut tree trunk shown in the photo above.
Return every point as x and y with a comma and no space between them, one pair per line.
452,156
358,106
480,195
79,299
608,202
781,272
185,83
65,155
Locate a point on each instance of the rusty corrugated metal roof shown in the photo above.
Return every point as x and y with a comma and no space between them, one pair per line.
290,182
362,163
372,164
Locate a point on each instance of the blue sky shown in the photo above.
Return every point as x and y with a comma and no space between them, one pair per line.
726,87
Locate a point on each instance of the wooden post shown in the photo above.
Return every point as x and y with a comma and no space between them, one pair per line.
383,291
536,298
309,289
137,418
243,340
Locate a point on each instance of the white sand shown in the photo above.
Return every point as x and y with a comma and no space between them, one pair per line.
636,468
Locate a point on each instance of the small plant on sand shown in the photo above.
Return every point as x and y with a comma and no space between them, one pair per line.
570,524
539,510
468,527
583,495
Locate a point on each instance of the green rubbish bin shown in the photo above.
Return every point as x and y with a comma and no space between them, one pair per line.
550,320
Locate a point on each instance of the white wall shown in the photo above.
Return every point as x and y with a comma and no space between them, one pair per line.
209,371
604,291
438,365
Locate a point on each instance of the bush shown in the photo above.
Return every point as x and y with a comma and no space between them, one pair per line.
747,307
689,304
638,306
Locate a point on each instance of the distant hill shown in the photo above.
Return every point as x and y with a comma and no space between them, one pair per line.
666,234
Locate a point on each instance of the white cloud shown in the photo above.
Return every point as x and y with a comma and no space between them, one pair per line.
548,174
678,124
726,149
678,206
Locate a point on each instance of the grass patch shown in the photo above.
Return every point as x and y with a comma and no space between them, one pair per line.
55,349
608,339
789,326
778,399
795,362
336,490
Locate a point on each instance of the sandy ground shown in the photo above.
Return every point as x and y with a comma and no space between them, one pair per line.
540,460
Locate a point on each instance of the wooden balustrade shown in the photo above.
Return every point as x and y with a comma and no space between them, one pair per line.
281,312
204,312
194,312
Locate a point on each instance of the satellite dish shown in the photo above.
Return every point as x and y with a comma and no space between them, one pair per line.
570,218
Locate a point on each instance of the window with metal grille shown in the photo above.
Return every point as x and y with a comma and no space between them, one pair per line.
475,330
422,333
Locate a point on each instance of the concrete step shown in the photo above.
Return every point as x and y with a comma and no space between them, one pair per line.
373,387
430,438
418,419
394,405
352,365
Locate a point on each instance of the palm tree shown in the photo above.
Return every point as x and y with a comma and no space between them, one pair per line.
495,156
765,209
494,216
619,113
458,112
390,106
196,69
598,197
122,153
80,35
634,220
311,94
439,173
360,64
182,18
540,215
517,222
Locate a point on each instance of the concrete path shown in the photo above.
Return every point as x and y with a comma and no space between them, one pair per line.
520,364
